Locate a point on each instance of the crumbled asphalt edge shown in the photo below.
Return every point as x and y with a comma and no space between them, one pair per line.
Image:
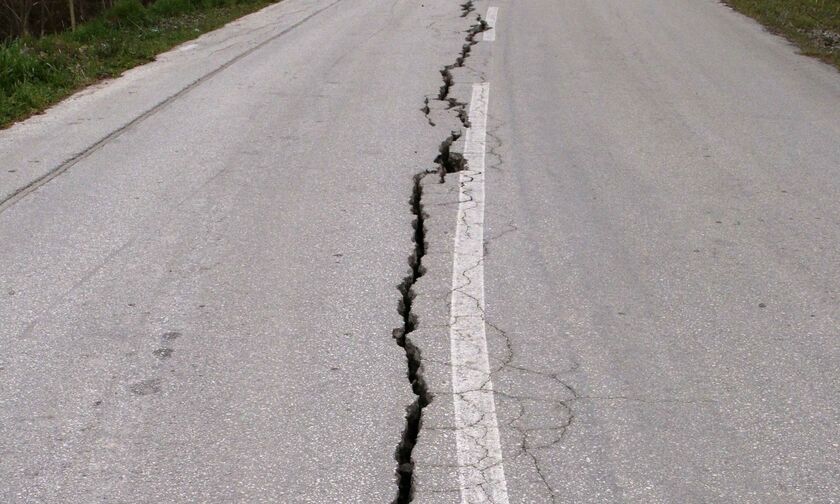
447,161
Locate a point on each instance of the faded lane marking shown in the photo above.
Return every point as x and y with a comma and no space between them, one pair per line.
492,14
480,470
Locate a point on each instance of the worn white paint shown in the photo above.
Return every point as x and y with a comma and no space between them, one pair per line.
492,14
480,471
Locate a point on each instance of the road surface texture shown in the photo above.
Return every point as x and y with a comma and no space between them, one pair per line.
352,251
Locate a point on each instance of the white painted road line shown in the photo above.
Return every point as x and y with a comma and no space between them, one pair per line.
492,14
480,469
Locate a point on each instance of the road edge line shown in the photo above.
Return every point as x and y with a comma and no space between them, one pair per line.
480,467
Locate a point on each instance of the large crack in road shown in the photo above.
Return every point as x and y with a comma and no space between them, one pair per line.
447,161
414,412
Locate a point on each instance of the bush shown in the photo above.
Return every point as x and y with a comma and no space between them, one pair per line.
127,12
172,7
90,31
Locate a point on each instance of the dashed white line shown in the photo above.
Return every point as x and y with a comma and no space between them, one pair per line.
480,470
490,33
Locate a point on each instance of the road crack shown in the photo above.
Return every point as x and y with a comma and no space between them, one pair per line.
444,93
448,160
414,359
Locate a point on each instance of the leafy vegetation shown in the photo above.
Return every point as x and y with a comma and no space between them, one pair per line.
37,72
814,25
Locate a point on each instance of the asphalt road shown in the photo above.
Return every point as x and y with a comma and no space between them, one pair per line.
242,274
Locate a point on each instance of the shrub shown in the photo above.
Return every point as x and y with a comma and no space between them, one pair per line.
90,31
172,7
207,4
127,12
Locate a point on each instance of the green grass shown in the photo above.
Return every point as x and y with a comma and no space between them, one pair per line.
814,25
36,73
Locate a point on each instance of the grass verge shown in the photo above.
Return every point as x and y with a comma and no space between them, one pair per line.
36,73
814,25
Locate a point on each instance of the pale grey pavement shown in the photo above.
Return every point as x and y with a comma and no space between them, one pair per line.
199,262
663,256
201,308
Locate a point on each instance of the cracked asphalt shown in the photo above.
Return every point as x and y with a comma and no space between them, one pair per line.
227,275
200,307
